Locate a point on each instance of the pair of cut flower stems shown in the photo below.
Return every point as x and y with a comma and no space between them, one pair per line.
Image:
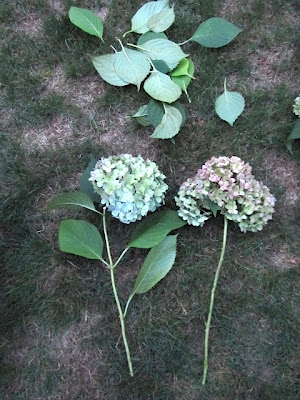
111,265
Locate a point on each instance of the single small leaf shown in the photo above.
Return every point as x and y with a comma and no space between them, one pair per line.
71,200
158,263
161,66
210,205
86,20
132,66
156,111
295,134
80,238
215,32
141,116
180,108
163,50
160,87
230,105
154,228
85,185
161,21
183,81
182,68
170,124
141,17
105,66
149,36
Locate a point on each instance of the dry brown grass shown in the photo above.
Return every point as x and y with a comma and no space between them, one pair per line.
68,350
265,63
265,67
285,173
31,25
283,260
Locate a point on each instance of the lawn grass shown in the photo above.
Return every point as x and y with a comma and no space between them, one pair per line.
60,333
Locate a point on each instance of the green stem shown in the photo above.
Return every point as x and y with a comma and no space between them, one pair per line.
182,43
212,296
121,256
112,277
122,321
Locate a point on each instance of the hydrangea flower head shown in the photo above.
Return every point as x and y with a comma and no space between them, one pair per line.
296,106
129,187
229,184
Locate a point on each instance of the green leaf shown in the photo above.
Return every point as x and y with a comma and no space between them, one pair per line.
150,36
163,50
161,21
105,66
170,124
180,108
158,263
71,200
156,111
141,116
132,66
86,186
213,207
230,105
183,81
215,32
86,20
161,66
141,17
295,134
154,228
161,87
80,238
182,68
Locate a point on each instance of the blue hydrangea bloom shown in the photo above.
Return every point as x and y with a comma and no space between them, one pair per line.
129,187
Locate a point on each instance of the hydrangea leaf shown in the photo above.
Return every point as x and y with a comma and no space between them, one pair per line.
170,124
180,108
141,116
141,17
80,238
163,50
156,111
150,36
158,263
230,105
154,228
86,185
87,21
213,207
161,21
71,200
161,66
105,66
182,68
295,134
132,66
215,32
184,80
160,87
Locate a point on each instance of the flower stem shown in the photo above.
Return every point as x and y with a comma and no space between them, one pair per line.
212,296
112,277
122,321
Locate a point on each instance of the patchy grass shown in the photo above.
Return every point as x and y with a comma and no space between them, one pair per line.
60,332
